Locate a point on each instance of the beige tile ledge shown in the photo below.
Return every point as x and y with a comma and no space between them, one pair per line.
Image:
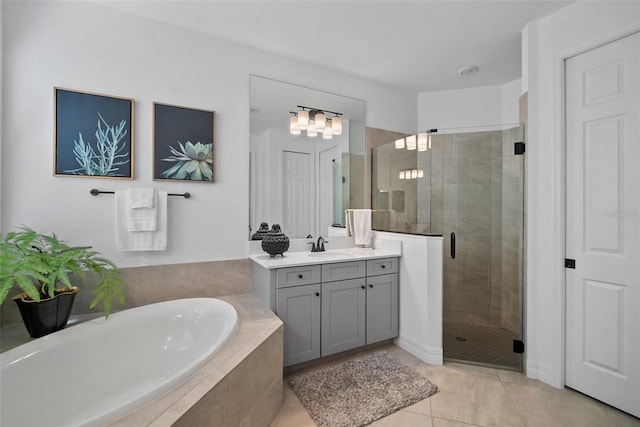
256,325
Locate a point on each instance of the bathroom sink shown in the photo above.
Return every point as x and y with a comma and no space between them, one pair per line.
328,254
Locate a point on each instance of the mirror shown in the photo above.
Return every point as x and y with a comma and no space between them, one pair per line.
303,183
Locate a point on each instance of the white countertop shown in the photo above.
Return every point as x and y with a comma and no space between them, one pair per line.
293,259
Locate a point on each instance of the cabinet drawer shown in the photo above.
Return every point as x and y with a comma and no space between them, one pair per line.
376,267
343,270
296,276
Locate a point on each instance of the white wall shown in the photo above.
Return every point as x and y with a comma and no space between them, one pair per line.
420,295
473,107
85,46
578,27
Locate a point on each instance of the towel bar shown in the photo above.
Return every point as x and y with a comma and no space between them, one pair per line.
95,192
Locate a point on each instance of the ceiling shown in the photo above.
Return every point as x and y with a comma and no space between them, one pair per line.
415,45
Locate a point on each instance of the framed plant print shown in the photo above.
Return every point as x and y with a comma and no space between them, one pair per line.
183,143
93,135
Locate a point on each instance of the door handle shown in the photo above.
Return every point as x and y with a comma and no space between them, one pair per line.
453,245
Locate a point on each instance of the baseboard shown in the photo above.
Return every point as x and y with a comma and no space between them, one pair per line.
431,355
541,372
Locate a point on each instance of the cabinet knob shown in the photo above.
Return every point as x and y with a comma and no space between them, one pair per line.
371,286
383,266
317,294
300,276
363,286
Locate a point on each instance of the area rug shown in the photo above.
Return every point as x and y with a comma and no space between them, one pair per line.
359,391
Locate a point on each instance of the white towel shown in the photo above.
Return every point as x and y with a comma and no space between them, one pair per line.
362,226
348,221
142,212
140,240
141,197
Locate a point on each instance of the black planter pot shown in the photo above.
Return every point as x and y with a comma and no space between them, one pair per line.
47,315
262,231
275,242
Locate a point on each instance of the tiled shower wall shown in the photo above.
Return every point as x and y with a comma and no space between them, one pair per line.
146,285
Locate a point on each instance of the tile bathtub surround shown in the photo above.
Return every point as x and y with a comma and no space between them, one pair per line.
150,284
476,396
241,385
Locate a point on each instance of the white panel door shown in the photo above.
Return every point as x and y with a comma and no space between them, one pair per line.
603,213
297,195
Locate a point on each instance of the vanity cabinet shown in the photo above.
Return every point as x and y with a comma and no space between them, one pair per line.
299,309
332,307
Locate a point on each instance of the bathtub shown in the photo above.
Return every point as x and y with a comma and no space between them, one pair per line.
98,371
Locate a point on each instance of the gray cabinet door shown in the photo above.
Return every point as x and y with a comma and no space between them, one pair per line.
299,309
382,307
343,315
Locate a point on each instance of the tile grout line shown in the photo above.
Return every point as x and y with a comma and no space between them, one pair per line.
430,407
513,402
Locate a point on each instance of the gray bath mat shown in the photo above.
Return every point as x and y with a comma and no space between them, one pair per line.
360,391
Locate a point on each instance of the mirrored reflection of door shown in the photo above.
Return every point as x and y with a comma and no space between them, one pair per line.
297,200
481,215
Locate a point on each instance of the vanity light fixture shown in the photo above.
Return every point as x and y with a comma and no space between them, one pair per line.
411,174
314,120
411,142
423,141
294,128
327,133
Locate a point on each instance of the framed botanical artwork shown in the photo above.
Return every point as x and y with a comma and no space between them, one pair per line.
93,135
183,143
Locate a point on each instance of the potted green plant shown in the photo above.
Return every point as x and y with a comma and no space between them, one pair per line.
43,267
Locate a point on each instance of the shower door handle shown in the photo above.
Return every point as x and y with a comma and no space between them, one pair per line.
453,245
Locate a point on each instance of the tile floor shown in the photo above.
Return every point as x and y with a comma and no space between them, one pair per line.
477,396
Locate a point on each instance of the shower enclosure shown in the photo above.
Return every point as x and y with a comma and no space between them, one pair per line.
468,187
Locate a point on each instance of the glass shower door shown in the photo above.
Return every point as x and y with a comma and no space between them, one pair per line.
481,213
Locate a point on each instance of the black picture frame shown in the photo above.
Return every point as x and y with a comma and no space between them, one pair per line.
183,143
93,135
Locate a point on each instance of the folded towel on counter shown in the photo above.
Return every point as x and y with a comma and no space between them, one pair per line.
142,212
147,240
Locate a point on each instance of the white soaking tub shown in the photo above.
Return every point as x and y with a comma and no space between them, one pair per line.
98,371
